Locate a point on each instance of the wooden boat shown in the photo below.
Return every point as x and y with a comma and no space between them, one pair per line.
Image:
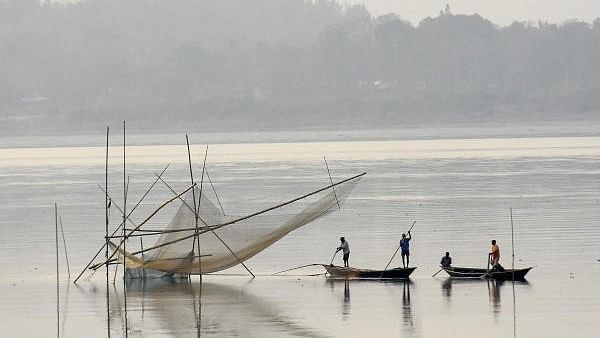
347,272
507,274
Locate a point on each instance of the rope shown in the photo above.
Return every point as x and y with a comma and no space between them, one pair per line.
215,191
267,274
299,267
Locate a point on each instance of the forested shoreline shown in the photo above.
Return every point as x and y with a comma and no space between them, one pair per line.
283,64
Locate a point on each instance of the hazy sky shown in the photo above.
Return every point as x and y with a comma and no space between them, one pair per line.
502,12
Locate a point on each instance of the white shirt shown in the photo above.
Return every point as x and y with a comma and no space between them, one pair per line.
345,247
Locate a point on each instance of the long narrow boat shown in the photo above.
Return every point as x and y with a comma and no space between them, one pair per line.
347,272
507,274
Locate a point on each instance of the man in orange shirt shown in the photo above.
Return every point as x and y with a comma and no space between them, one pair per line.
495,256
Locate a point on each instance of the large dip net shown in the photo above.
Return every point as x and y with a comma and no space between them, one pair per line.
216,241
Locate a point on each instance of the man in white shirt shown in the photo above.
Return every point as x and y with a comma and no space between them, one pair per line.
345,250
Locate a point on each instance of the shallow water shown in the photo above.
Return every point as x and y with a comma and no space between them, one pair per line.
458,190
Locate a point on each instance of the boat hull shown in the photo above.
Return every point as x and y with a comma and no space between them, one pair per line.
347,272
508,274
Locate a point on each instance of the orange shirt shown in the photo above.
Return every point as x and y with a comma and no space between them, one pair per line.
495,251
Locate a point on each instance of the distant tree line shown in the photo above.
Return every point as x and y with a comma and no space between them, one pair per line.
232,64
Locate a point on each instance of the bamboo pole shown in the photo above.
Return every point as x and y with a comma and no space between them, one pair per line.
197,238
105,245
106,234
331,180
65,246
57,271
187,141
512,238
125,188
160,232
106,198
140,225
107,306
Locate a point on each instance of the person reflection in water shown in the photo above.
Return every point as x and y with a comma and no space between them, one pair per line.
446,261
447,288
346,303
494,295
345,250
406,306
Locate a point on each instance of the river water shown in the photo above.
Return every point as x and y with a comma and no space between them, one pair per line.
458,189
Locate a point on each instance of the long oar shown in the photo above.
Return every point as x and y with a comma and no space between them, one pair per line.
331,263
296,268
394,255
398,248
440,270
487,271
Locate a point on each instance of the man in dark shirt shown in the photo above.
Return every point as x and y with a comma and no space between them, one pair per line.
446,261
405,246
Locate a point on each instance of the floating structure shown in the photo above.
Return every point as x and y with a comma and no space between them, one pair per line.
201,239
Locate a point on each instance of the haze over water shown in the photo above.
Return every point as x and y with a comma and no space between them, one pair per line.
458,189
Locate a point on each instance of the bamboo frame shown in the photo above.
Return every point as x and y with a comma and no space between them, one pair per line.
238,219
141,224
209,228
119,227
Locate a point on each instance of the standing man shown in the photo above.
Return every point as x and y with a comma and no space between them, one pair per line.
345,250
495,256
405,245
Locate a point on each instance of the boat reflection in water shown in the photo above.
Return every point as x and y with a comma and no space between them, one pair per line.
472,288
179,308
333,282
474,285
368,285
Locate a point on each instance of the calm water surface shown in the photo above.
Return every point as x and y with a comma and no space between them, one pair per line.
458,190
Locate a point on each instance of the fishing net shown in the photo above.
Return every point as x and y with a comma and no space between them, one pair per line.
231,239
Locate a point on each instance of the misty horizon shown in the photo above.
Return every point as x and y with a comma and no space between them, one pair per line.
283,65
